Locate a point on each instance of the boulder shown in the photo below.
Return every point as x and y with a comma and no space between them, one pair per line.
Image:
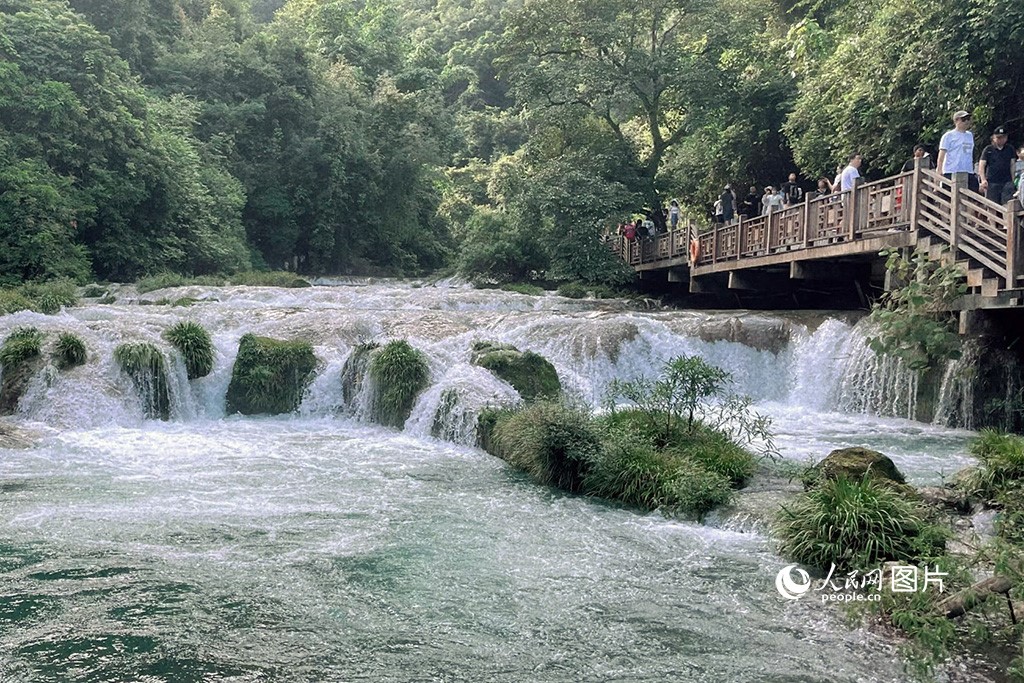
854,463
532,375
269,375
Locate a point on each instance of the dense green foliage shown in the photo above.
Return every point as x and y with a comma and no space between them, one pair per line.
497,137
69,351
915,320
146,368
269,375
195,345
399,373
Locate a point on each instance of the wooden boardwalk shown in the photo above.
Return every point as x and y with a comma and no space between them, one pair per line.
822,237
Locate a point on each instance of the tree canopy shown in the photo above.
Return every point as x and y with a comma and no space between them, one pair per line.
499,137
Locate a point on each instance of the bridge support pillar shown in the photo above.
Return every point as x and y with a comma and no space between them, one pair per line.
678,275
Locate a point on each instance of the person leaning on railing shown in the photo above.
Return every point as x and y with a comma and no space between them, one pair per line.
996,167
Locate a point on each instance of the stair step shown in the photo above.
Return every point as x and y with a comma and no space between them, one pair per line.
975,277
935,251
923,243
990,287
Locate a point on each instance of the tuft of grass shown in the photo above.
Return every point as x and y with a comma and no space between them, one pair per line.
22,344
1002,464
572,290
400,373
12,301
69,351
19,358
272,278
856,524
51,297
269,375
145,366
554,443
532,375
195,345
107,300
165,280
523,288
184,302
94,291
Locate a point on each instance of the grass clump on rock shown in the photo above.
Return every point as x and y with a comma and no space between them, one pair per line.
12,301
51,297
69,351
572,290
532,375
20,360
399,373
855,524
269,375
147,369
195,345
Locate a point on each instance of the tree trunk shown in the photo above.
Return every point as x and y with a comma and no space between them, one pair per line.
960,603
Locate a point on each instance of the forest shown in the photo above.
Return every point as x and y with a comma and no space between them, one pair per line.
495,138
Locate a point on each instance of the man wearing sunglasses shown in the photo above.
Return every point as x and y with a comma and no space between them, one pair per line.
956,150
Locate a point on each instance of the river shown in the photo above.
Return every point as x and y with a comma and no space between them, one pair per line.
318,547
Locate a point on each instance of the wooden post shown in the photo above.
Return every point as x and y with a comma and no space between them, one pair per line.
853,211
1014,267
769,227
806,223
915,194
959,185
714,244
740,238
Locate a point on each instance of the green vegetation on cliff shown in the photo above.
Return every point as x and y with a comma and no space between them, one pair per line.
195,345
399,374
269,375
146,368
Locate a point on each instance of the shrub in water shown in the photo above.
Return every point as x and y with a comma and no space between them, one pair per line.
12,301
572,290
633,471
19,358
555,443
856,524
145,366
399,373
195,346
69,351
269,375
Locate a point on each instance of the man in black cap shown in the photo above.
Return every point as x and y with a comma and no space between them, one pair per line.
996,168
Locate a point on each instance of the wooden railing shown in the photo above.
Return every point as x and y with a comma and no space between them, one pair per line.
918,200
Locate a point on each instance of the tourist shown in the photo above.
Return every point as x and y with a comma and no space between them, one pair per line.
673,214
996,168
728,201
717,211
824,189
848,178
792,193
751,205
650,229
919,153
838,179
956,150
629,231
772,200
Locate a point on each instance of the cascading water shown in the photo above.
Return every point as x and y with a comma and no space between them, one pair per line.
318,546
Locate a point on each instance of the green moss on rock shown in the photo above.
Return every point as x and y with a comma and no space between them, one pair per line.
195,345
20,359
269,375
399,373
533,376
353,372
853,464
147,369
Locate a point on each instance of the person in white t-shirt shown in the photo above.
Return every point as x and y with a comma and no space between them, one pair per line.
956,150
850,173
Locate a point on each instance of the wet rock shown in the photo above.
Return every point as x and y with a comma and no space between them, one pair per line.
16,437
855,463
946,498
21,359
532,375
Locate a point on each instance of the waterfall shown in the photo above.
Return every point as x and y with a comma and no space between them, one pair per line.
817,362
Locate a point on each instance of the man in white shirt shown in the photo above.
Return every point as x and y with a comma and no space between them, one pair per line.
850,173
956,150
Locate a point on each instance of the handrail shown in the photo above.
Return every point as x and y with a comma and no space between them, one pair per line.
921,200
